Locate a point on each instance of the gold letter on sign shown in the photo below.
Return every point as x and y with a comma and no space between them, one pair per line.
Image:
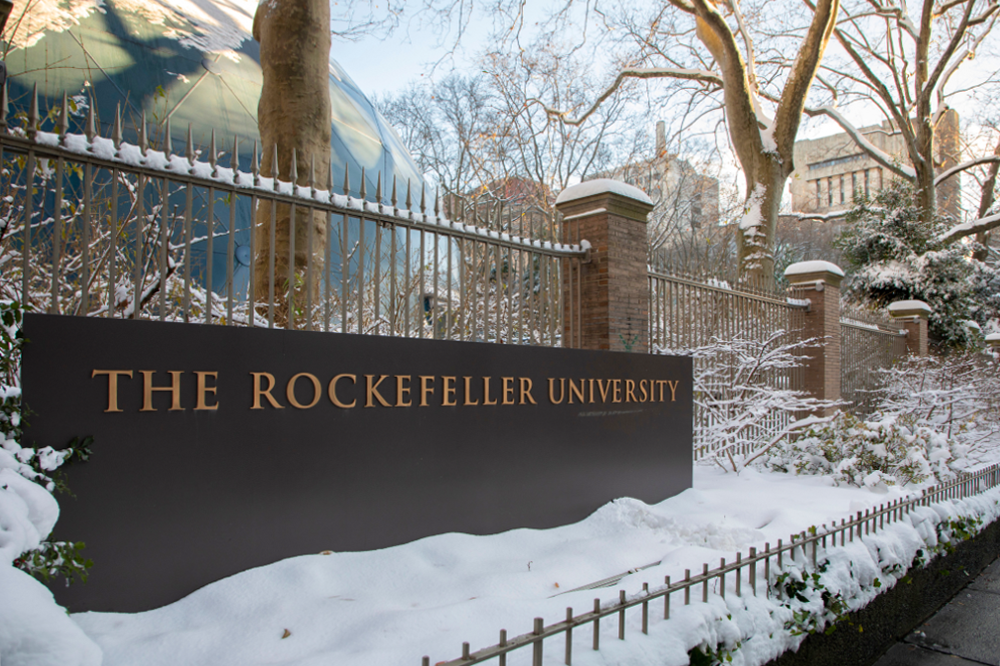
112,386
203,388
258,391
290,391
174,388
332,390
371,391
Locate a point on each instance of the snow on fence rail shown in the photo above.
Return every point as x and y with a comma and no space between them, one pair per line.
96,226
743,573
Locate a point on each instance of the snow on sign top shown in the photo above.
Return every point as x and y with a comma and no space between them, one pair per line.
600,186
804,267
909,305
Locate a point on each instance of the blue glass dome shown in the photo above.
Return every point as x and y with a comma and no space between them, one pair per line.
195,62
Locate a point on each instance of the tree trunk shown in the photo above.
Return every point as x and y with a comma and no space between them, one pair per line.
294,114
985,204
757,228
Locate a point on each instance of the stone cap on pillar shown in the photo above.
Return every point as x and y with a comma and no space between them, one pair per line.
993,340
806,272
901,309
604,195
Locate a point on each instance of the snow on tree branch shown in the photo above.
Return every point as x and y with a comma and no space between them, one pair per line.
876,153
945,175
968,229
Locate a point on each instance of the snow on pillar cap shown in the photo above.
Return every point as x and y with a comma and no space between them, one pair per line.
811,267
909,309
815,272
993,339
589,188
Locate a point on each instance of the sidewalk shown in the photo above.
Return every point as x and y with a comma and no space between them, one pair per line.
964,632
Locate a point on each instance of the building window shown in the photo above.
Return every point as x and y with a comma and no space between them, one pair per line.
867,189
819,194
829,191
854,183
841,189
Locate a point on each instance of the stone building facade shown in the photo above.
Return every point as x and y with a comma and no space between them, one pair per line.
683,199
831,170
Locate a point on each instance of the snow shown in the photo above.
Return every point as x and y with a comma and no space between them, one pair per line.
34,631
28,512
907,306
806,267
394,605
590,188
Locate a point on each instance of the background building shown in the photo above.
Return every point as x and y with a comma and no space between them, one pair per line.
831,170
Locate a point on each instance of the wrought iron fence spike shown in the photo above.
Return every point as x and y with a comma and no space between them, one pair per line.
4,106
189,149
116,129
63,126
394,199
90,129
409,197
437,202
312,175
234,163
378,188
274,166
329,179
364,190
33,113
168,146
213,157
143,139
347,179
423,198
255,164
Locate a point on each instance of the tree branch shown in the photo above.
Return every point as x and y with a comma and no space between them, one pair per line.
945,175
960,231
701,75
793,97
863,143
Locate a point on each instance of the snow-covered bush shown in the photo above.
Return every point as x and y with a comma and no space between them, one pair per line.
935,417
28,476
866,453
744,398
893,255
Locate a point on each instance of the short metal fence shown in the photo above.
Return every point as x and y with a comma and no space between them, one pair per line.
868,344
687,313
752,573
96,226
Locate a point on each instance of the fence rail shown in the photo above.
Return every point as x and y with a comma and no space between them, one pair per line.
688,313
868,344
101,227
743,573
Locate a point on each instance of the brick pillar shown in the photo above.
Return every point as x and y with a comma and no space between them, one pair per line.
913,317
819,281
613,284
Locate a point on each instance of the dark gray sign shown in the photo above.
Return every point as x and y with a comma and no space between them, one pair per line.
218,449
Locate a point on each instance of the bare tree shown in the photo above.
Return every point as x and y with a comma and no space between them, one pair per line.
907,63
479,136
727,64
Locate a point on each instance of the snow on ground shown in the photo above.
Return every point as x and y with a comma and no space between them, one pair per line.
424,598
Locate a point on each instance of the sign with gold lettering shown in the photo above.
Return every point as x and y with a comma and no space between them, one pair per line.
217,449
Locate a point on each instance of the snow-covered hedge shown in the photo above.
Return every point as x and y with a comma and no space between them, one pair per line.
937,416
34,630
